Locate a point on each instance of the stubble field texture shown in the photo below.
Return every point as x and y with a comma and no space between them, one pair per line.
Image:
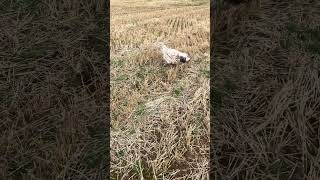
159,114
53,89
266,91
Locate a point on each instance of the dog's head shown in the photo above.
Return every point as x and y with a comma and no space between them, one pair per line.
184,58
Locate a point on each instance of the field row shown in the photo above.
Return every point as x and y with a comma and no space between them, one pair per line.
190,29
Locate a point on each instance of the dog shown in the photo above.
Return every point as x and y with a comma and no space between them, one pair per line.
173,56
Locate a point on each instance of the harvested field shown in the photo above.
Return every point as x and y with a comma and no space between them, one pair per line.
266,91
160,114
53,89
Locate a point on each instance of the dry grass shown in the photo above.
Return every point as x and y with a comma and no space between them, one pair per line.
53,83
266,92
160,115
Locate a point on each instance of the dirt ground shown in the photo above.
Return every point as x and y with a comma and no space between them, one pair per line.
266,91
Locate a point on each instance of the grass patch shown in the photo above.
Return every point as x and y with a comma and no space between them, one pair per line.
141,109
229,86
218,95
118,63
177,92
122,77
302,37
17,170
205,73
94,156
199,120
140,169
33,53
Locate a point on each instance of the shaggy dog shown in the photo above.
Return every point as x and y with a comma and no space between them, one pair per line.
172,56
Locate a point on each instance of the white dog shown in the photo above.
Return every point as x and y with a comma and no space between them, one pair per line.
172,56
